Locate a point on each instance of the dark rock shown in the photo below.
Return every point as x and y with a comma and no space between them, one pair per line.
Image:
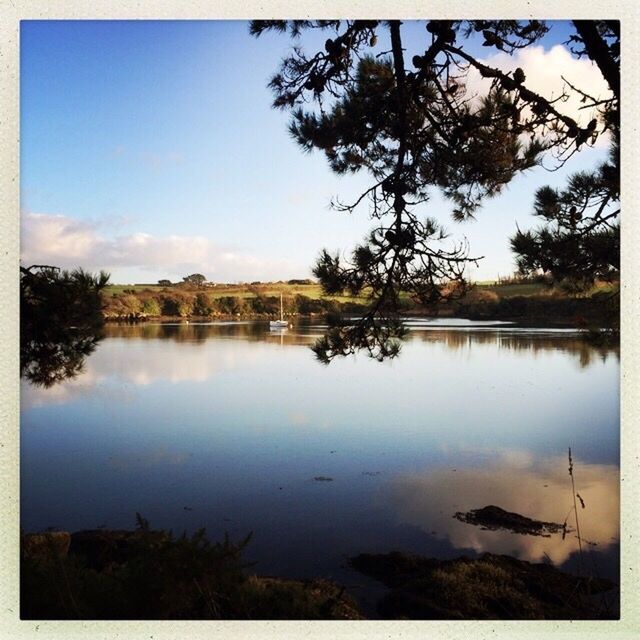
494,518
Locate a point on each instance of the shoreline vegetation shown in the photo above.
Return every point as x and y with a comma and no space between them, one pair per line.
152,574
528,303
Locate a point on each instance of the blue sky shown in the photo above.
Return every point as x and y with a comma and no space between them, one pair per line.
150,149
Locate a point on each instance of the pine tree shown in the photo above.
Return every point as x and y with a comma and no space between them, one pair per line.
414,128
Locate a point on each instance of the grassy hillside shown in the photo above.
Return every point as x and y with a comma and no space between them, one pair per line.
313,291
522,301
140,301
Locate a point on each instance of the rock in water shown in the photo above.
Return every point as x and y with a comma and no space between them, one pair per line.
492,517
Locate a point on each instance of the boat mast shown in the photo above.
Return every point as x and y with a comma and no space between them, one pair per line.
281,305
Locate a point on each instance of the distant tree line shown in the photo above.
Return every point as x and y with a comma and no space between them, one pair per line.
199,280
186,304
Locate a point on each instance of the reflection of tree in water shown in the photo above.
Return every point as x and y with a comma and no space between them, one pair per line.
533,343
305,334
188,332
60,321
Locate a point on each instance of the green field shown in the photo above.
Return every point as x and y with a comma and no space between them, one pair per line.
511,290
313,291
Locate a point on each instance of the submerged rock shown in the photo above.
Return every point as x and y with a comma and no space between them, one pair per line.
494,518
490,587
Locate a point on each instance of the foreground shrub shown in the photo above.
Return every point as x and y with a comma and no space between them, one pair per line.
148,575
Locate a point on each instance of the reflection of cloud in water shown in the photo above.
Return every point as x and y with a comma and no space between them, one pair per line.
173,363
540,491
298,419
308,421
109,373
89,382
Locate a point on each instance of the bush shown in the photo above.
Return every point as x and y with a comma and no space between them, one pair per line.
184,308
480,296
151,307
232,305
177,305
306,305
150,575
202,305
121,306
265,304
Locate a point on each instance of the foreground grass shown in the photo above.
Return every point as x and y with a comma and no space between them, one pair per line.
153,575
490,587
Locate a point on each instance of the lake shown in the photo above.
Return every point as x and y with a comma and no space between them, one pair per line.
235,428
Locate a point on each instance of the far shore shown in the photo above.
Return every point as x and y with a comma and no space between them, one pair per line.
531,304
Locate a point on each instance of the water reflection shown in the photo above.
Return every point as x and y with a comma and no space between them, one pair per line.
538,489
48,362
448,332
146,354
60,322
523,340
201,332
235,421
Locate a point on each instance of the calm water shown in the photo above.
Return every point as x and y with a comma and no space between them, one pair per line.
226,426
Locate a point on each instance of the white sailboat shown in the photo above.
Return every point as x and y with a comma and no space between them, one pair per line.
279,324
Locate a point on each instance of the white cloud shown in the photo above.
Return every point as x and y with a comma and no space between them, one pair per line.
544,71
65,242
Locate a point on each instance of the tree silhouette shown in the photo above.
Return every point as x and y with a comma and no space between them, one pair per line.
60,321
415,129
579,241
196,279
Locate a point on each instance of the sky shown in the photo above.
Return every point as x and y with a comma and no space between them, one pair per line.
150,149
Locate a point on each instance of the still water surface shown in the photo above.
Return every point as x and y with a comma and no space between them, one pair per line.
226,425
